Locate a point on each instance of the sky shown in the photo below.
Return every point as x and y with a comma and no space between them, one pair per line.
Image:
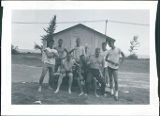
25,35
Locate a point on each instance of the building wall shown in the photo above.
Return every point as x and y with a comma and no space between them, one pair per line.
88,37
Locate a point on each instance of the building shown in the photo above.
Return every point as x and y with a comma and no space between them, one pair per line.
88,36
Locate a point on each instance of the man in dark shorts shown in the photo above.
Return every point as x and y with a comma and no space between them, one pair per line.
61,53
96,66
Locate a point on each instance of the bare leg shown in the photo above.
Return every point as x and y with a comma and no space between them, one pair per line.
70,82
79,83
115,76
106,75
111,80
44,71
59,82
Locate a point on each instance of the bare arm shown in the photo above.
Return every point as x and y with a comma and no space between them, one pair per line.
123,56
56,54
103,62
102,68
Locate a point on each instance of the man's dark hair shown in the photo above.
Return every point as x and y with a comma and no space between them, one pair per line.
50,42
97,49
104,43
60,40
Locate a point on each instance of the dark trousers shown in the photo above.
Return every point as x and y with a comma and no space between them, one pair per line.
94,76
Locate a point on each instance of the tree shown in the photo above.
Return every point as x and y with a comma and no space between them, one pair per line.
14,49
46,39
50,30
49,35
133,48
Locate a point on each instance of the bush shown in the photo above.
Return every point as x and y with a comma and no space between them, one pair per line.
133,56
14,49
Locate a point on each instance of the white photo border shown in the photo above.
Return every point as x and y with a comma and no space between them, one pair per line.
9,109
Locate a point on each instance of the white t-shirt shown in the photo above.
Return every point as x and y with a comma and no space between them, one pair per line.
104,54
46,59
114,56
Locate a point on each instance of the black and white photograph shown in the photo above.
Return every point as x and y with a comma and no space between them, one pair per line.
80,57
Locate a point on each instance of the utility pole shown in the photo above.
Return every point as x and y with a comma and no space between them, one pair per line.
106,22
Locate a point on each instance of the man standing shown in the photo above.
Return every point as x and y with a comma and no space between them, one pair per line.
114,60
96,66
78,52
61,53
48,59
104,53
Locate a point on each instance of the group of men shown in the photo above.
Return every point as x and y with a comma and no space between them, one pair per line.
99,69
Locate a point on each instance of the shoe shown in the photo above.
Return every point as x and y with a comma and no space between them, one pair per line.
96,95
105,95
50,88
86,94
69,91
39,89
112,92
107,85
56,91
38,102
116,96
81,94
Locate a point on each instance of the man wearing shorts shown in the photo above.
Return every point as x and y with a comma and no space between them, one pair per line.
114,60
65,69
61,53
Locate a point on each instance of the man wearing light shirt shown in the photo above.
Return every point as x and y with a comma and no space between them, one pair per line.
48,60
114,59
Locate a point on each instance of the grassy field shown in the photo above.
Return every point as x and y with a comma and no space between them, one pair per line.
26,69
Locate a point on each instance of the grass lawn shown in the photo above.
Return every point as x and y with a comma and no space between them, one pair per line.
26,69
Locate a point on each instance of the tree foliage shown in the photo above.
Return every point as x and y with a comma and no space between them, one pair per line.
134,44
49,34
14,49
50,30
